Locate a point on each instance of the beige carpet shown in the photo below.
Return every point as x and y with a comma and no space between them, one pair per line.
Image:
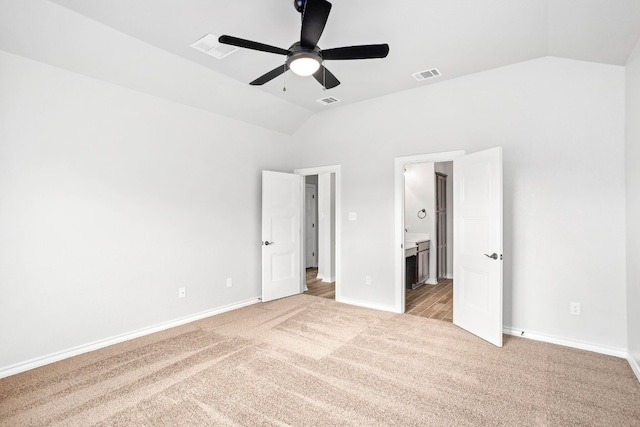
311,361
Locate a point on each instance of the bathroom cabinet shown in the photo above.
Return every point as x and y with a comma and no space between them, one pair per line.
423,261
411,263
417,264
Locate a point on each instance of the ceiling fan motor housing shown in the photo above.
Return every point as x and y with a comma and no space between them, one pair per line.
299,5
297,51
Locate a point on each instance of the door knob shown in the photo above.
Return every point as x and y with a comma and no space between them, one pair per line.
492,256
267,243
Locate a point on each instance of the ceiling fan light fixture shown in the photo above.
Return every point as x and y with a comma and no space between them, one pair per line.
304,65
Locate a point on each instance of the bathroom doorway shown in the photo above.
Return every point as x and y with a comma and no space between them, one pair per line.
478,243
428,225
405,214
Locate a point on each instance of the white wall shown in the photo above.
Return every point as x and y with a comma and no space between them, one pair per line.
633,206
559,121
419,194
110,200
326,227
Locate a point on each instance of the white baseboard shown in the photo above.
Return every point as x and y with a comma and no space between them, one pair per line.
325,279
565,342
85,348
634,367
366,304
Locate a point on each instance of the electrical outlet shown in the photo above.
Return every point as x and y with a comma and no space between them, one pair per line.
574,308
367,280
182,292
229,282
353,216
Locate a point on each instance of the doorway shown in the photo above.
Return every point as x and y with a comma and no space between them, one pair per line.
319,235
478,239
428,225
401,164
321,232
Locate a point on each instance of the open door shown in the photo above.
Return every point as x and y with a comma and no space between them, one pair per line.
281,235
477,249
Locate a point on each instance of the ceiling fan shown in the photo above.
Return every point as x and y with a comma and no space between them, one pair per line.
305,58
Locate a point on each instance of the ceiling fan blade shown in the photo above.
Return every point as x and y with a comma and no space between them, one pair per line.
366,51
326,78
248,44
314,18
270,75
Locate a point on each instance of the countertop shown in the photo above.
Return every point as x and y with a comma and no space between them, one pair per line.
412,239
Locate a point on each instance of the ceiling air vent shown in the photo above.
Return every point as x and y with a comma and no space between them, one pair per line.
328,100
427,74
210,45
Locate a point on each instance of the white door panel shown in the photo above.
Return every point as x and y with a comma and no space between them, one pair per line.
281,234
477,291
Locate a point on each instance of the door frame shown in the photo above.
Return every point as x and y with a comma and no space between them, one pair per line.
314,235
336,170
400,163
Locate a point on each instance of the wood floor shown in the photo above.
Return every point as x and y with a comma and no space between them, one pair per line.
319,288
432,301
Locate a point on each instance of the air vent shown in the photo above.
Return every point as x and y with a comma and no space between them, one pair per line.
209,44
328,100
427,74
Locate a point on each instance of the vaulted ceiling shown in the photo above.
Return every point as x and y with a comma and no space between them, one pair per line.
145,45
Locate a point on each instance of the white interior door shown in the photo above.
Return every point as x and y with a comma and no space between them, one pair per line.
477,249
281,234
